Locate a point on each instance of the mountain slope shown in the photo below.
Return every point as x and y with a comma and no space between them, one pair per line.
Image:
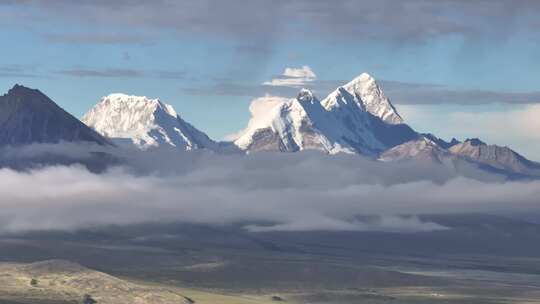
145,123
501,158
355,118
58,281
468,158
28,116
421,149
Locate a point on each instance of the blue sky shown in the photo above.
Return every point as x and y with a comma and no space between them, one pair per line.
451,67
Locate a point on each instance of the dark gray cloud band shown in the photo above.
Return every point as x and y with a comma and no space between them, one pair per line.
398,92
122,73
413,93
18,71
359,19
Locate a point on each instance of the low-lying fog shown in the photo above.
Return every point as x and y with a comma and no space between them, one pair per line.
285,191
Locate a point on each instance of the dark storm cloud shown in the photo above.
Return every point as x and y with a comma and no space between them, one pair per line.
269,20
288,191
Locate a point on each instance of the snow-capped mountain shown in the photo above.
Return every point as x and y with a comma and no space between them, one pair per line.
364,93
288,125
28,116
355,118
358,118
145,123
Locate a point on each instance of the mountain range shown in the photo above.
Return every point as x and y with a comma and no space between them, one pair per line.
356,118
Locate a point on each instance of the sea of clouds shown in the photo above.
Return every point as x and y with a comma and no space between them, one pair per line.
265,192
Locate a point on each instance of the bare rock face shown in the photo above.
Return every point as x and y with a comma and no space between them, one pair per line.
472,153
502,158
421,149
28,116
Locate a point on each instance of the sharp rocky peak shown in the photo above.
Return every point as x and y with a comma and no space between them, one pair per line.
475,142
363,79
305,95
28,116
355,118
365,93
21,91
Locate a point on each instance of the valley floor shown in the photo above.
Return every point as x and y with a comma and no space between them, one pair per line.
499,263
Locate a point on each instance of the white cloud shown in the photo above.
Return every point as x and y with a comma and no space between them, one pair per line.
294,77
262,109
284,191
515,126
303,72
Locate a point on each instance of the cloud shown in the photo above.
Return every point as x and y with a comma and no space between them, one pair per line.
408,21
303,72
226,87
261,107
98,38
257,50
417,93
293,77
382,223
122,73
19,71
265,192
401,93
285,85
170,74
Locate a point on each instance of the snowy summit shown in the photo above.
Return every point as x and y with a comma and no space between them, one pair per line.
355,118
144,122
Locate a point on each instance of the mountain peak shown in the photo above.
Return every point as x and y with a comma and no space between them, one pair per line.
364,92
441,142
362,78
305,95
28,116
121,99
475,142
144,122
355,118
20,90
454,141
